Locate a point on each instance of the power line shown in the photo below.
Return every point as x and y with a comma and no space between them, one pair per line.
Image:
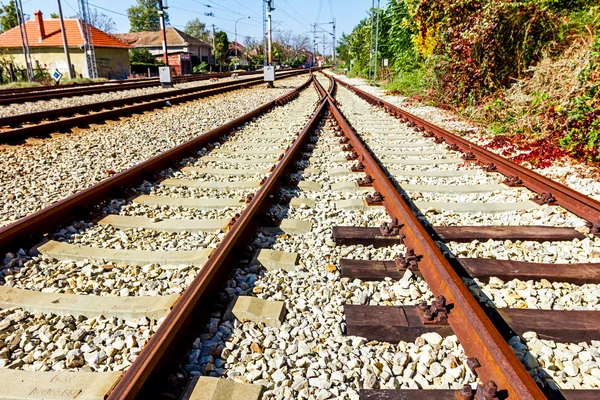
319,11
293,9
249,9
211,16
107,10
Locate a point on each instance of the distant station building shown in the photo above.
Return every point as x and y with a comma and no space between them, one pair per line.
181,48
46,48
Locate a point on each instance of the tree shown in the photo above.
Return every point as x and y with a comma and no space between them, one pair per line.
54,15
8,16
144,16
221,47
97,20
196,28
142,56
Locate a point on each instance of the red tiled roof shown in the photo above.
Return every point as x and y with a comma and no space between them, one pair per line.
53,35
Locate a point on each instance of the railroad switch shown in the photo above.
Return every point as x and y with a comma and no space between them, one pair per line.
544,198
375,199
512,181
366,181
408,261
434,314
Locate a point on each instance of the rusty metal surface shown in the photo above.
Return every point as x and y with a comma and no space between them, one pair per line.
32,227
475,330
579,204
166,337
113,108
54,92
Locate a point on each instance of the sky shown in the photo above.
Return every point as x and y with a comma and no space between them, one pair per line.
289,15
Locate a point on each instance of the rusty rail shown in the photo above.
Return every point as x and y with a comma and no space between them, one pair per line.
472,326
213,274
31,228
113,109
577,203
54,92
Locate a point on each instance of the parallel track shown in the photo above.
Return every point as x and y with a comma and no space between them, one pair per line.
45,122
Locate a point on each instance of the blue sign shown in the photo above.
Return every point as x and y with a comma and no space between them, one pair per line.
56,75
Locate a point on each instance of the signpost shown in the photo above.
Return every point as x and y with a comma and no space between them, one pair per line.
56,75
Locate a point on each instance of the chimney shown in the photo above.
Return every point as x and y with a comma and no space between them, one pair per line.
39,21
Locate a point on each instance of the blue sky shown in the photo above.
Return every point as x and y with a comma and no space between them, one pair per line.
294,15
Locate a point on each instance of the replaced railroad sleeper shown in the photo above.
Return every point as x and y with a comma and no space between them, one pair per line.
476,332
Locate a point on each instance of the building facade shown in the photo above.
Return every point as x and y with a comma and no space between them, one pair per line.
46,48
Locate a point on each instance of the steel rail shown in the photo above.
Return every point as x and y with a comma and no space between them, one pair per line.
11,98
218,268
475,331
116,108
579,204
30,229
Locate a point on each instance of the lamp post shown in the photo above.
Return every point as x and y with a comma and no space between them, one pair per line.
248,17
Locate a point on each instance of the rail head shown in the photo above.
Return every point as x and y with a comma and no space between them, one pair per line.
474,329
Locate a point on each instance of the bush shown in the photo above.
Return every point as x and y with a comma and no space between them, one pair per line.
200,68
142,56
483,45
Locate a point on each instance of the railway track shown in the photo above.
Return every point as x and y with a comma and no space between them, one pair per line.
74,330
313,292
16,128
23,95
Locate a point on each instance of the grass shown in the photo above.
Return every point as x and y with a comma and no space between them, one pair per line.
410,83
19,85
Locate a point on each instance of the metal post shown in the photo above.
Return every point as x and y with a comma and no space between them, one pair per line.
376,40
236,42
64,37
161,12
333,50
371,41
24,40
270,10
314,43
214,48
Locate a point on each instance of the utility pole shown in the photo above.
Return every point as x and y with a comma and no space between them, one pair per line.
214,48
161,12
314,43
333,46
377,39
64,37
324,47
24,40
371,41
270,10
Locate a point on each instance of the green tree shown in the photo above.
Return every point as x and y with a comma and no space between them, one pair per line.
54,15
196,28
8,16
142,56
144,16
221,47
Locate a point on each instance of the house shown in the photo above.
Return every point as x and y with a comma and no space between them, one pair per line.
181,47
46,47
236,49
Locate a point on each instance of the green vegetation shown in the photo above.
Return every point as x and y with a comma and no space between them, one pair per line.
8,16
529,70
144,16
200,68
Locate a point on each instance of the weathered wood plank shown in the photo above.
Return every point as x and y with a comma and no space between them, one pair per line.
482,268
349,235
388,324
579,273
441,394
393,324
